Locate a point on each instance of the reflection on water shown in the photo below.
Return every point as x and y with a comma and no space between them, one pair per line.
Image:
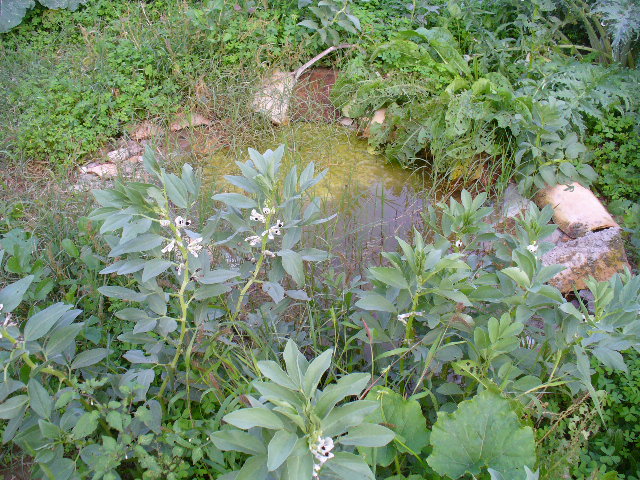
374,201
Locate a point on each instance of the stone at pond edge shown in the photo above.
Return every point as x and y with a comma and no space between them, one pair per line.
146,130
274,97
189,120
598,254
378,118
513,202
576,209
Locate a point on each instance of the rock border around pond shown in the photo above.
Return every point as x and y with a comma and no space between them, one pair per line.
592,243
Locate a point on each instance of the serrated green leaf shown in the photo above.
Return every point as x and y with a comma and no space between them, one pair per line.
483,432
86,425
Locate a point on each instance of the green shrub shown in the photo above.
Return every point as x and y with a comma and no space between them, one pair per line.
194,310
616,444
615,141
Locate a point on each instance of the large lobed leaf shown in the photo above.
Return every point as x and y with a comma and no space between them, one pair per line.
482,432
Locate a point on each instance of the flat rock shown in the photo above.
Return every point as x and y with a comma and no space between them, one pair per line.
577,210
274,97
119,155
189,120
378,118
346,121
103,170
597,254
145,131
514,203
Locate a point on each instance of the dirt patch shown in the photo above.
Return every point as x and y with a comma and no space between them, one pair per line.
19,469
311,96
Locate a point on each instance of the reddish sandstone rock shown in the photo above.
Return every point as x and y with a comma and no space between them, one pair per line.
577,211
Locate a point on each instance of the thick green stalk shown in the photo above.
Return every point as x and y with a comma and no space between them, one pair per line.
183,320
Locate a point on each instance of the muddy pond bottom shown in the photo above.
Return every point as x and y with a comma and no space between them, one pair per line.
374,200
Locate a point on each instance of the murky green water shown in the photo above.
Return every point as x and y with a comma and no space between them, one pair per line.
374,200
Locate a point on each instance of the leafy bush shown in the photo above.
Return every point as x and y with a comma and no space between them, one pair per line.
615,445
615,141
73,398
197,310
439,107
11,13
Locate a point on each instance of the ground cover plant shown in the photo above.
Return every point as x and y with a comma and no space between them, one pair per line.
188,325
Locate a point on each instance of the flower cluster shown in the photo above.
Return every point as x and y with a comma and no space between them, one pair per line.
528,342
533,248
321,450
270,233
194,246
260,217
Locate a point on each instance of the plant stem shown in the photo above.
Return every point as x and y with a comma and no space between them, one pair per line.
183,317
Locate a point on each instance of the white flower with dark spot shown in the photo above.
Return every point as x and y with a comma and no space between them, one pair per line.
459,244
267,211
182,222
404,316
253,240
533,248
279,224
256,216
268,233
321,450
275,230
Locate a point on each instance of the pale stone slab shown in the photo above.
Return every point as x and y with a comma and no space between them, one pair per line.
189,120
274,97
378,118
577,210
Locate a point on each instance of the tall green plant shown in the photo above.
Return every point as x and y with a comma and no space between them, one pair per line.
77,410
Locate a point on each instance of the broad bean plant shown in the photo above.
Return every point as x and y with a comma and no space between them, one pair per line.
471,319
78,410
